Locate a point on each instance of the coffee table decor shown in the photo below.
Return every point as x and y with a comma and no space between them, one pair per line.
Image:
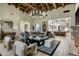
50,51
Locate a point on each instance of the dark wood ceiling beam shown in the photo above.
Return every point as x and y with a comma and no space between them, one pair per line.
43,7
48,6
63,5
29,5
26,9
21,7
16,5
54,5
36,6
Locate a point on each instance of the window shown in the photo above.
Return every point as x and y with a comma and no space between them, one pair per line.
62,24
38,27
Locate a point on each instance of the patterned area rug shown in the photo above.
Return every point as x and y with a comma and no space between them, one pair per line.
50,51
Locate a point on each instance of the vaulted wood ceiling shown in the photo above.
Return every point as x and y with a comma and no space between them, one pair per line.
28,7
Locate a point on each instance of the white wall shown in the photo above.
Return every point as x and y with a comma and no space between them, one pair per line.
58,13
6,12
77,5
1,10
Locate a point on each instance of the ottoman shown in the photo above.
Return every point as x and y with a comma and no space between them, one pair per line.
49,42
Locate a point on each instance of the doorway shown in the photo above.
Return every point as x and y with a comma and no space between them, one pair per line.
25,26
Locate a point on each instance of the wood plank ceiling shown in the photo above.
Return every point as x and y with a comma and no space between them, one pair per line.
28,7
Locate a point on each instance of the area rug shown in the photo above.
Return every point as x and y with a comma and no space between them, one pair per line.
49,51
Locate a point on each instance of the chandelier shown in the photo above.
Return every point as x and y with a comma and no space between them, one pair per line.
38,14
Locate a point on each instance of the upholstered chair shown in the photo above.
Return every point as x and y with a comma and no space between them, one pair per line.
22,49
8,42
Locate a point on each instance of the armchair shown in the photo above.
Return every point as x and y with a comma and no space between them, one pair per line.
21,49
8,42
